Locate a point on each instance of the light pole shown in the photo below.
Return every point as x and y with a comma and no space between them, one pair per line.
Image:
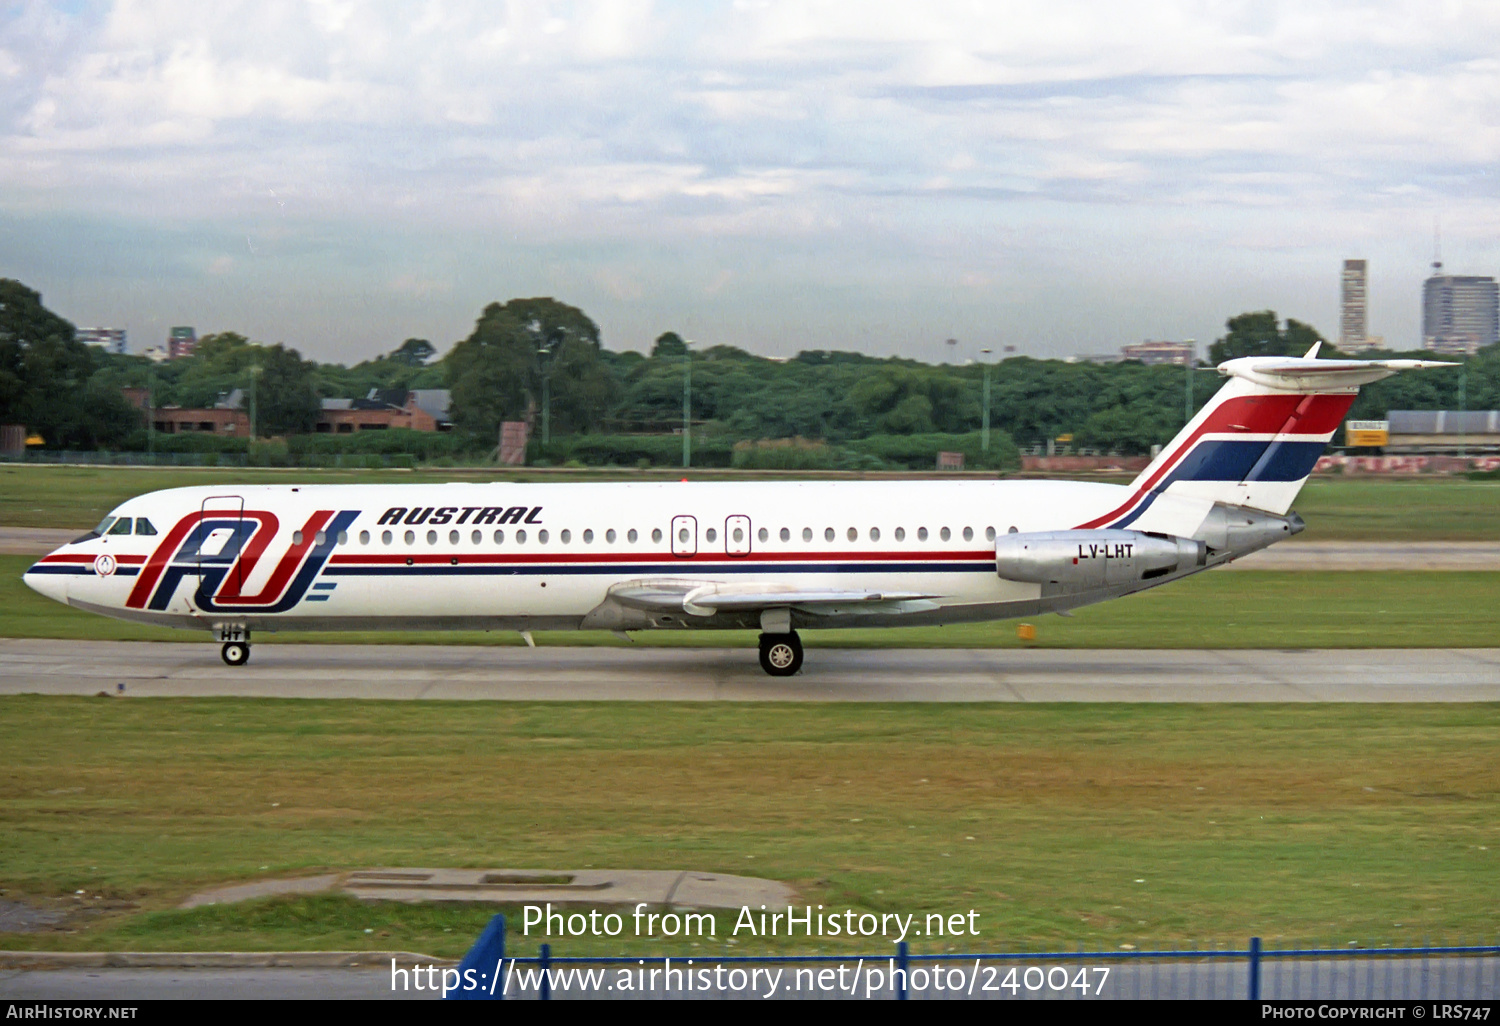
1463,407
984,426
151,411
1187,402
687,404
548,353
254,374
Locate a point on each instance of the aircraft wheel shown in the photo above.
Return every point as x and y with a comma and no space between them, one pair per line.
781,654
235,653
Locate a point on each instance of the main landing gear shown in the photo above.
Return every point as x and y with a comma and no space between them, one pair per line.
237,653
781,654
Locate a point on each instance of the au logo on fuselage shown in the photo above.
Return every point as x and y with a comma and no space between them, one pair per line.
220,552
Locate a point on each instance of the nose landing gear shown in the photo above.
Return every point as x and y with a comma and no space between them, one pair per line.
781,654
236,639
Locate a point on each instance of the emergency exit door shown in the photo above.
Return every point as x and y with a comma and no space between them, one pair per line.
684,537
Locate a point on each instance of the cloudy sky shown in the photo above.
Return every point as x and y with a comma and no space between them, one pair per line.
1061,177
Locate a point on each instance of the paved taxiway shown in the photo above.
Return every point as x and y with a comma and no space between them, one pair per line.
149,669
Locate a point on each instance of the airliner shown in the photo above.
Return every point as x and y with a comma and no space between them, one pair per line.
775,556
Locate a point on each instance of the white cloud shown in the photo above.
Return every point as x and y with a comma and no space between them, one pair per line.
866,138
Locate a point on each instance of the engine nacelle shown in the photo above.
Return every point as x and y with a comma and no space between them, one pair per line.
1094,559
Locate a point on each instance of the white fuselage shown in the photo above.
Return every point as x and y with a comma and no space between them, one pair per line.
520,556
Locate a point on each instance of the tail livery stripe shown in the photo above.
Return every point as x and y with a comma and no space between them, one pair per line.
1294,430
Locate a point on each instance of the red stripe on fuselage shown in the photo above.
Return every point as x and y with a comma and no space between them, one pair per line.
145,582
1251,415
90,557
665,558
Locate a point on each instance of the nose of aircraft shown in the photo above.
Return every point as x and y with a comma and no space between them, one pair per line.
40,580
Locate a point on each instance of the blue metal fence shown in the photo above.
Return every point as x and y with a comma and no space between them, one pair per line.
1470,972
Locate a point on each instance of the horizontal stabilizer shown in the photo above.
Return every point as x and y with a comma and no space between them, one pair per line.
1303,374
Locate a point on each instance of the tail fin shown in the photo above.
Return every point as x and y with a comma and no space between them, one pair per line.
1256,441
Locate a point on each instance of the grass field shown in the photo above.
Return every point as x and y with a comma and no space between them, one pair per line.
1222,609
1075,824
1434,509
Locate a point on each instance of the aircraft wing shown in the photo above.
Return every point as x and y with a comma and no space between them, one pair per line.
699,599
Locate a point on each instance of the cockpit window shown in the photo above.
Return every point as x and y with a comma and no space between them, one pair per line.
122,526
96,532
143,526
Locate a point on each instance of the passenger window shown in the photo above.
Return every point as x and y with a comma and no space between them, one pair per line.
296,537
828,534
476,537
143,526
710,534
763,534
854,534
520,537
588,537
609,536
411,537
945,534
968,534
874,534
343,537
901,534
385,538
364,537
500,537
122,526
631,536
807,534
431,537
921,534
321,537
452,537
786,535
565,537
655,534
541,537
989,534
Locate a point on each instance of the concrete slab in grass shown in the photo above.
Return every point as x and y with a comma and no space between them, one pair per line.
680,888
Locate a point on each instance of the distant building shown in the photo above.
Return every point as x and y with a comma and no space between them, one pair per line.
1460,313
423,409
1179,354
1093,358
156,354
181,342
173,420
111,340
1443,431
1354,322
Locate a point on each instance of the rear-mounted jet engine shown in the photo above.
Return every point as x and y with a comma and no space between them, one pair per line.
1084,560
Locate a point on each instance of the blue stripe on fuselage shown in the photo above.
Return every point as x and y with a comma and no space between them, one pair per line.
536,569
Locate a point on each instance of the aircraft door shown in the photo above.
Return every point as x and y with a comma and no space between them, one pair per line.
221,533
737,536
684,537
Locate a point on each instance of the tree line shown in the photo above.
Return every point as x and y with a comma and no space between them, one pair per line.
540,359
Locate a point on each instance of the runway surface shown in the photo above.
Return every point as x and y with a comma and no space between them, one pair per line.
1293,555
149,669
